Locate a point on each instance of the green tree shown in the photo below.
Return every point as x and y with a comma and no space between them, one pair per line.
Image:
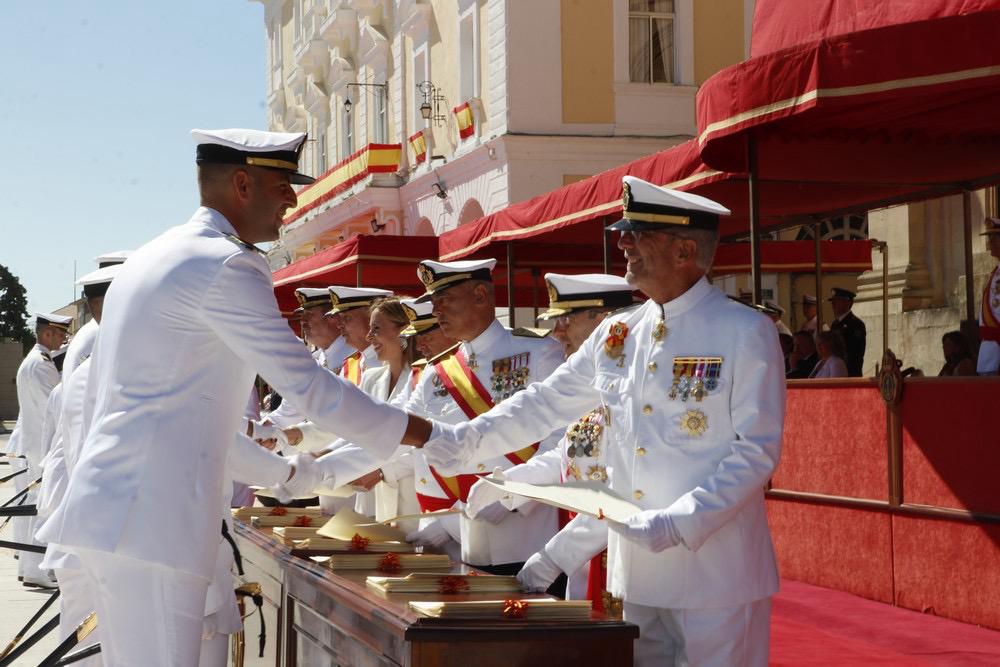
14,309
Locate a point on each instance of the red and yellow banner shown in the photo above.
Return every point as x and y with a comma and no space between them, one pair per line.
418,144
351,370
465,120
372,159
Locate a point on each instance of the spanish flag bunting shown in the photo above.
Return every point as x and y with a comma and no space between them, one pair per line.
465,120
418,144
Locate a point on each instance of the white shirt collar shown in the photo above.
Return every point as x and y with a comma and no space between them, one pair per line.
684,302
482,343
212,218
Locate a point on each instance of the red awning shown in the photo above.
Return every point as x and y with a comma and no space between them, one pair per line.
795,257
886,115
558,214
388,262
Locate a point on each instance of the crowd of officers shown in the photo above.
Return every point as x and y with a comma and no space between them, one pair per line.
675,403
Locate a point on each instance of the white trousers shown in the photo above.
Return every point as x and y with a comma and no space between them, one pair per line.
24,528
76,601
737,636
149,614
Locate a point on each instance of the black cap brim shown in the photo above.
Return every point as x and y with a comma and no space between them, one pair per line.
301,179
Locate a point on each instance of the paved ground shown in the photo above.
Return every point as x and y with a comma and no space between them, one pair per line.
17,603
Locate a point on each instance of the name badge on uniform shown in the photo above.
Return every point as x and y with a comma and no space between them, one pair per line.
695,377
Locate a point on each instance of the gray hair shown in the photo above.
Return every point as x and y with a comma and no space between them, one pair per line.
707,241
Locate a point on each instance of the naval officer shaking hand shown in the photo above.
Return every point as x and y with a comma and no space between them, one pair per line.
694,387
187,324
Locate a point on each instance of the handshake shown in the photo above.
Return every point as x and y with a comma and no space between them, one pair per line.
451,447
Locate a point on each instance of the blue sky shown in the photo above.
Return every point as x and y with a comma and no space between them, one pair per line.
97,100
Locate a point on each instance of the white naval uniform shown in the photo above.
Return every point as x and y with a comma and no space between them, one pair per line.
576,458
524,532
332,358
80,347
37,376
187,325
76,598
382,504
711,481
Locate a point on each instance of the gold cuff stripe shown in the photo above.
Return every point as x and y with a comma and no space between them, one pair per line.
268,162
658,217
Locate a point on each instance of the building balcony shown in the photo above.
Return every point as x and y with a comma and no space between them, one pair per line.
378,161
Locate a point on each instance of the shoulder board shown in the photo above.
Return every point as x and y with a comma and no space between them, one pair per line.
530,332
418,363
46,357
622,311
244,244
447,353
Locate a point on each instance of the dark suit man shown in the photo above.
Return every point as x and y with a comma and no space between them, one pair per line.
850,327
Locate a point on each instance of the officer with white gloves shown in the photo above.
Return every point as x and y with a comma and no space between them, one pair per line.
577,305
187,324
694,388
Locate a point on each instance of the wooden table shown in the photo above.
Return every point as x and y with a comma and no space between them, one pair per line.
317,617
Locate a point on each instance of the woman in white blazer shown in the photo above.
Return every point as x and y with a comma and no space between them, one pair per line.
831,350
390,489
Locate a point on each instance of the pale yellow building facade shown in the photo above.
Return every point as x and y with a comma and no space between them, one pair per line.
459,108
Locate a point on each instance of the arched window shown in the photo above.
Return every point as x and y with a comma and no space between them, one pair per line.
842,228
470,211
423,228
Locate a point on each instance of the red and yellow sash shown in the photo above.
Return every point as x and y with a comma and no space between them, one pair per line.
470,395
415,370
351,370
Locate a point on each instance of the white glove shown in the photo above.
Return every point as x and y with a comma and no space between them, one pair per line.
431,535
538,573
308,475
483,494
651,529
268,432
493,513
450,447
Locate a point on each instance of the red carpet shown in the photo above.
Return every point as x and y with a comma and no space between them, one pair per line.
818,626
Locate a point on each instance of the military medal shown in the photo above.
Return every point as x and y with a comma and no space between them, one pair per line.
439,389
694,423
660,330
473,364
597,474
695,376
614,344
510,375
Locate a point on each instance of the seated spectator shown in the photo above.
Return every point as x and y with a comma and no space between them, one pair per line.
958,358
803,358
831,350
787,345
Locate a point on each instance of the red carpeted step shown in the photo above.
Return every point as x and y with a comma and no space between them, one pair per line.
818,626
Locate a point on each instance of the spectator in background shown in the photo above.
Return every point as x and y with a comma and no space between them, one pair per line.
804,357
958,357
851,328
831,350
809,313
787,346
776,312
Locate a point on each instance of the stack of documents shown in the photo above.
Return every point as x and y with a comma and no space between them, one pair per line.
434,582
518,610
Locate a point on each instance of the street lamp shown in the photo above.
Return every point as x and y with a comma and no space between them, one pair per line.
430,108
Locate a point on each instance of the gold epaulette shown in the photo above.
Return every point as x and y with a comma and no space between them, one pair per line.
447,353
530,332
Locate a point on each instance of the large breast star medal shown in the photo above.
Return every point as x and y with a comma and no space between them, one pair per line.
694,422
614,344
